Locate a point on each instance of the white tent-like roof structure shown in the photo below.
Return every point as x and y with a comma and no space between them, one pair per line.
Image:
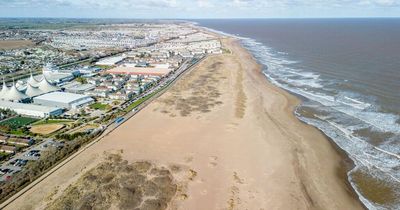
13,94
32,81
4,90
32,91
45,86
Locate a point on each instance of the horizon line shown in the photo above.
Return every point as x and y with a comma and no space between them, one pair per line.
211,18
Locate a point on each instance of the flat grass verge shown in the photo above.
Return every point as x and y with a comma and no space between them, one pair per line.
140,101
100,106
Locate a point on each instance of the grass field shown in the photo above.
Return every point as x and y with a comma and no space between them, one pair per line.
83,129
100,106
138,102
76,63
18,122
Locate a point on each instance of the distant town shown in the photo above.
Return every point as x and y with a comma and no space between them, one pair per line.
62,88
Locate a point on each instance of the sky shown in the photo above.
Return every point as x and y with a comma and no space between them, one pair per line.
191,9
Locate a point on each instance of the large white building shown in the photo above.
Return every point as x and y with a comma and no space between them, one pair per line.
31,109
63,100
110,61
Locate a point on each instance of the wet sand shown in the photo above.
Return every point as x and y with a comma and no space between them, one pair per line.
232,129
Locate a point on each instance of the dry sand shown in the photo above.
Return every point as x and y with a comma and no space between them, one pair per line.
46,129
237,134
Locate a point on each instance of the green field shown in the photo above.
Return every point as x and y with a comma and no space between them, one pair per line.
100,106
138,102
76,63
17,132
18,122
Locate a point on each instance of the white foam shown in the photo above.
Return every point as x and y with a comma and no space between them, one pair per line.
359,150
385,122
354,103
305,82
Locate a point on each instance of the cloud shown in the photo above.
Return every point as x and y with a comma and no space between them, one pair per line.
381,3
313,3
200,8
205,4
201,3
34,3
91,3
104,4
241,3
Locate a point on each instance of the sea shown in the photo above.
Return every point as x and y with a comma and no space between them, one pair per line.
347,73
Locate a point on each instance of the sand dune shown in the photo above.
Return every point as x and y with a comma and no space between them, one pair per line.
237,136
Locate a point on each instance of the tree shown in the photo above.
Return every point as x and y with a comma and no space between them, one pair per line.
81,80
5,128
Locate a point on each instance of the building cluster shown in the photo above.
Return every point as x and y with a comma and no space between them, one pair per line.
188,46
73,40
20,34
10,144
16,60
115,36
120,86
41,98
61,46
127,74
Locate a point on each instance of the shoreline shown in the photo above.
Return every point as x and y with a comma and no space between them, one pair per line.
371,175
246,147
348,162
343,172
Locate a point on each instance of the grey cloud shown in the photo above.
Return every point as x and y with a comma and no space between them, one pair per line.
34,3
90,3
165,4
313,3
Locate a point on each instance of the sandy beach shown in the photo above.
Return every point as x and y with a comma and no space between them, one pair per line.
237,136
